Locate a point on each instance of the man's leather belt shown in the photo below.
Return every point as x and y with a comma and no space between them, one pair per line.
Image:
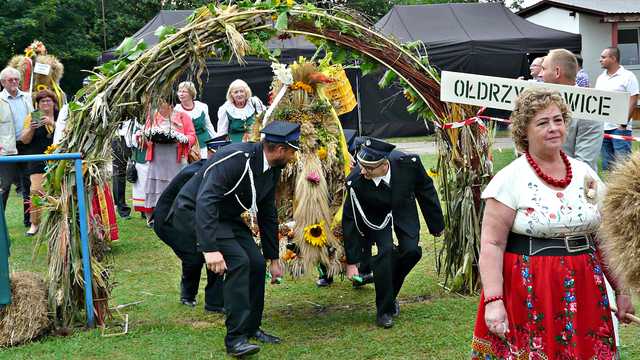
569,245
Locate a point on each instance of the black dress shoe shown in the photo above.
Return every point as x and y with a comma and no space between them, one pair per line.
242,348
396,308
188,302
323,282
214,309
266,338
385,321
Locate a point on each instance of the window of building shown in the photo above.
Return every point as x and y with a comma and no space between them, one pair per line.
629,46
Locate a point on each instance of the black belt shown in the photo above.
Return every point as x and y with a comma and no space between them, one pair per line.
568,245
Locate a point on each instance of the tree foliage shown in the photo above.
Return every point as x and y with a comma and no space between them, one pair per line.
73,30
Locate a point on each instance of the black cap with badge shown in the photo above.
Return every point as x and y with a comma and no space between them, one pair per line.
282,132
373,151
218,142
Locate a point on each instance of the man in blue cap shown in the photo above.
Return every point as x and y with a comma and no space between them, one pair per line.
173,235
239,177
381,194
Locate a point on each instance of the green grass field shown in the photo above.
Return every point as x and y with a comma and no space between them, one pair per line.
329,323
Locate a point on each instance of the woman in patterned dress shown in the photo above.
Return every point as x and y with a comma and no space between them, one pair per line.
544,294
237,115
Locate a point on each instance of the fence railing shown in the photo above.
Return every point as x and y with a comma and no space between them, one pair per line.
84,224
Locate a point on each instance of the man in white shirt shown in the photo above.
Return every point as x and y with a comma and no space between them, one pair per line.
584,137
19,106
616,78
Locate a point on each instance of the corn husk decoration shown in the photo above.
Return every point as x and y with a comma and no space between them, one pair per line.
36,53
620,238
316,180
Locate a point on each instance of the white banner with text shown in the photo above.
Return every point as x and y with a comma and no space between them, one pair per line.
501,93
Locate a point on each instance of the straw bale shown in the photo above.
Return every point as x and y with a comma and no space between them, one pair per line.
27,316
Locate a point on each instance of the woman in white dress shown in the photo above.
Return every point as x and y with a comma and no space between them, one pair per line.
237,115
199,114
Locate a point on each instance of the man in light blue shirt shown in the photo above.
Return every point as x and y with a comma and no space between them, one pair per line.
20,106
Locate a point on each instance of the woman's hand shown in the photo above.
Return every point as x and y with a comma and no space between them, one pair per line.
625,306
47,120
495,317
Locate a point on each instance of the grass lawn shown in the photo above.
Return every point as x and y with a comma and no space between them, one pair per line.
330,323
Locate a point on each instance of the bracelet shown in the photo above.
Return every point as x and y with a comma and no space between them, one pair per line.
492,299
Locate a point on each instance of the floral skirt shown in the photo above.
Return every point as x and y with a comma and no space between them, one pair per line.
557,308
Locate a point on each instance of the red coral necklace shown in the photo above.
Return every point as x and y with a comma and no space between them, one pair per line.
561,183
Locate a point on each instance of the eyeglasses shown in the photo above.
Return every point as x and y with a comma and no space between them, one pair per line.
369,168
46,100
12,80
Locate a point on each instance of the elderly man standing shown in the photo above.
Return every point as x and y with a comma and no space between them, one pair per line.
15,105
584,137
616,78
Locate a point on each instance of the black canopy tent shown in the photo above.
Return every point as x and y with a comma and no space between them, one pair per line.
485,39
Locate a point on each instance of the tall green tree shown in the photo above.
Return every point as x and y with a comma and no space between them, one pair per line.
65,26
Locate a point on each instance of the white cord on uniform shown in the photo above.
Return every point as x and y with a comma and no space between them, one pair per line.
253,210
356,204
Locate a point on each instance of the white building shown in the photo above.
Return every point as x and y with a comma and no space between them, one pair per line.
602,23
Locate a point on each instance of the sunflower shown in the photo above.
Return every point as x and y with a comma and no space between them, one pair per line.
314,234
322,153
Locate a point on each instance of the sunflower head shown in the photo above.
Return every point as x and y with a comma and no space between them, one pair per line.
322,153
315,234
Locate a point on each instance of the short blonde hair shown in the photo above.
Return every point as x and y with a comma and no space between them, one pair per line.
564,59
236,84
528,104
190,87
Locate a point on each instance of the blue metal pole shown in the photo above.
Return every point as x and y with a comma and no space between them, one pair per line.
84,237
40,157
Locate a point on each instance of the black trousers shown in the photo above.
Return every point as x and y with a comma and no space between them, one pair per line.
391,266
244,284
16,173
191,269
120,154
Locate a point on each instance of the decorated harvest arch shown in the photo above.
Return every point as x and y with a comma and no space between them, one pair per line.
121,90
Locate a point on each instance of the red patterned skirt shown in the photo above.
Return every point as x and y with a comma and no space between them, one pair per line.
557,308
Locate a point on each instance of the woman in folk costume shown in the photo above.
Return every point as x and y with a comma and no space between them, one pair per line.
543,287
170,135
237,115
199,114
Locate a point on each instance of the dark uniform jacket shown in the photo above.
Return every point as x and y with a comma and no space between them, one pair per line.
162,222
409,182
203,205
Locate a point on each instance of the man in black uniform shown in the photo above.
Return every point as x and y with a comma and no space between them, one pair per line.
174,234
239,177
364,268
381,193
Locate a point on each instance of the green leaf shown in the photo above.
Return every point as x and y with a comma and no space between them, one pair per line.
283,21
387,79
75,106
126,46
162,32
368,67
276,52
